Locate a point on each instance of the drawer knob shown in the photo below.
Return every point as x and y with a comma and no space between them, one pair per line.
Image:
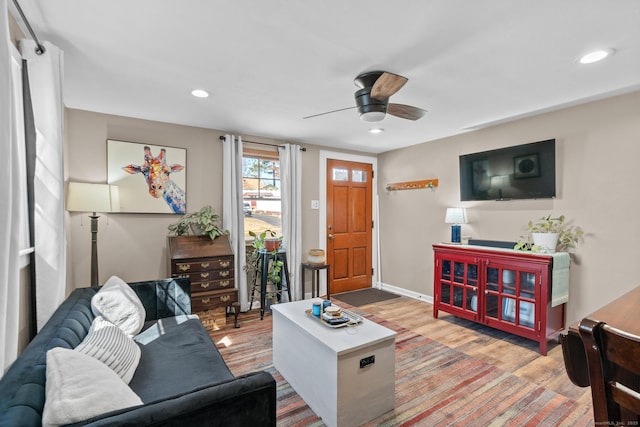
206,300
225,263
184,267
225,298
224,273
204,275
183,275
204,265
204,285
224,283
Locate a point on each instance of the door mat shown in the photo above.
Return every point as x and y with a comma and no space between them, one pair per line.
364,296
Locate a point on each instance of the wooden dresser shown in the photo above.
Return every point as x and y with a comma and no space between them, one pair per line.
210,267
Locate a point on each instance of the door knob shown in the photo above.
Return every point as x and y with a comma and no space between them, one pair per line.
330,236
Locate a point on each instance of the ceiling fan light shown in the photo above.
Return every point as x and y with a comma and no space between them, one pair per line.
372,116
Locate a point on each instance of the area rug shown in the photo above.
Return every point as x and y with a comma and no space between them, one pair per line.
364,296
435,384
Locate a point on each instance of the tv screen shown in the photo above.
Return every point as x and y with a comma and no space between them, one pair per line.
526,171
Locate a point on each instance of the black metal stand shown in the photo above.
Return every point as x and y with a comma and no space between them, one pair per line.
94,250
263,261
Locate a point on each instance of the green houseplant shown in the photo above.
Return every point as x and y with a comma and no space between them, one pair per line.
203,222
553,228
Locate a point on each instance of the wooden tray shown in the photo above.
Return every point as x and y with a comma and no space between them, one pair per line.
354,319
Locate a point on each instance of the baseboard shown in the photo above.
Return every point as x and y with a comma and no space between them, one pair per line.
405,292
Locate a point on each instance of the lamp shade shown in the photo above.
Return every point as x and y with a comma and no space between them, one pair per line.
456,216
88,197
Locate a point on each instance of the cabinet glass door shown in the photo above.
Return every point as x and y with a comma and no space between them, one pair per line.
510,295
458,282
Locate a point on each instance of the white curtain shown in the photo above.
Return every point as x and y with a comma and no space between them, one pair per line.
291,194
13,215
45,81
232,212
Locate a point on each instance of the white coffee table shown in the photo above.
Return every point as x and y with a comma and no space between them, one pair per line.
323,365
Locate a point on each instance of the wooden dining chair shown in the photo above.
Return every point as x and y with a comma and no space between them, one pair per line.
613,358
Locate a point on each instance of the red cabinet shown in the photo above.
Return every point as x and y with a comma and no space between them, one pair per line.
503,289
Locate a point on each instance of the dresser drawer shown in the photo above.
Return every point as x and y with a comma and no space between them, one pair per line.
199,287
204,264
208,300
207,276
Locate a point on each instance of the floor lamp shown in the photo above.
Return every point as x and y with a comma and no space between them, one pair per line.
88,197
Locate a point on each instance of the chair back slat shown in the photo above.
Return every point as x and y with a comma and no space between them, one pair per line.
614,372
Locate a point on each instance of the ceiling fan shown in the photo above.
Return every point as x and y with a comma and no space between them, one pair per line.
372,99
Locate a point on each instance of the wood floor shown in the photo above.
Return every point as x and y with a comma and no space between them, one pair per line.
505,351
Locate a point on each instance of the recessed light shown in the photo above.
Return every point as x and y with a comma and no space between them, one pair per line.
376,130
596,55
199,93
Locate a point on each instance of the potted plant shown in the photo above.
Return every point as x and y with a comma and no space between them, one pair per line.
203,222
549,234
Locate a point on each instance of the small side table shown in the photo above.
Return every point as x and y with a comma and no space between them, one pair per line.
315,278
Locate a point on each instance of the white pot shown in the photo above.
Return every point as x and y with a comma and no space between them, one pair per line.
546,241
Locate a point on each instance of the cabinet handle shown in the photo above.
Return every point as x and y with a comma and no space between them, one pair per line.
204,275
184,267
183,275
206,300
204,285
224,273
225,298
204,265
224,283
225,263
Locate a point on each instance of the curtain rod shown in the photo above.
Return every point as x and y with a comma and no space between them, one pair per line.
39,47
222,138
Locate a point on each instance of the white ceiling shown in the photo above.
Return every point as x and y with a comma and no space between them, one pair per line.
267,64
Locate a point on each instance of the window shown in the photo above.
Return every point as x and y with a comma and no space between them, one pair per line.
261,192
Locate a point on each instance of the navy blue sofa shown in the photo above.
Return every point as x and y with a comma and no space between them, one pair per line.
181,378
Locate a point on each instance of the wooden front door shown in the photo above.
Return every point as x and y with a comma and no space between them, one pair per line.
349,224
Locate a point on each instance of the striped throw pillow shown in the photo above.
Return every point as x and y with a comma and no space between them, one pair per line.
110,345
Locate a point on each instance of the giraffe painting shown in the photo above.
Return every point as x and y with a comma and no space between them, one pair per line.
156,173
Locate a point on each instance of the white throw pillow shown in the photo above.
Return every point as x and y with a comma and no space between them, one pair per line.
110,345
120,305
79,387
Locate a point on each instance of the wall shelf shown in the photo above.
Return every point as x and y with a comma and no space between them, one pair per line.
413,185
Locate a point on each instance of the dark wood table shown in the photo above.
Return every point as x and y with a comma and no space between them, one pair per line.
622,313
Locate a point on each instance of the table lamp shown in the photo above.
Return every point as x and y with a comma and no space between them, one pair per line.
88,197
456,216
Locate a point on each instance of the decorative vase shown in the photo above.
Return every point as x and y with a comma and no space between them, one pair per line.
546,241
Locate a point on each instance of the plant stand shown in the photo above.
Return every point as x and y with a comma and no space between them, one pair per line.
263,262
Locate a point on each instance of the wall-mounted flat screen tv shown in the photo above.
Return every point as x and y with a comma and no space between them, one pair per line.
526,171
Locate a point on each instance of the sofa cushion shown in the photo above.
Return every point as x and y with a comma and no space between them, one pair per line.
189,360
120,305
108,344
79,387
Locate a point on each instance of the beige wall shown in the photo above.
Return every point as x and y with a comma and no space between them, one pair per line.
133,246
597,146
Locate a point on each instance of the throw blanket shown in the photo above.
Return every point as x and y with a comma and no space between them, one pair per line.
560,278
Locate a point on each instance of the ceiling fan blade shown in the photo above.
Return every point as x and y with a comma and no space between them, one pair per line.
329,112
405,111
386,85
